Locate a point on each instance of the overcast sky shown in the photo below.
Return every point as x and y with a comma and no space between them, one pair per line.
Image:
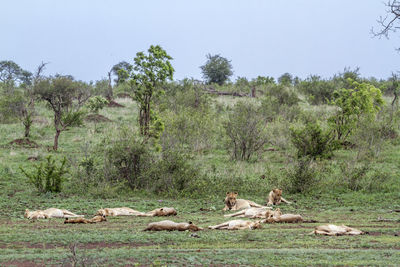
261,37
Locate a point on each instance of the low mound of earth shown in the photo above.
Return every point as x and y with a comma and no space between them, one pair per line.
97,118
24,142
124,95
113,104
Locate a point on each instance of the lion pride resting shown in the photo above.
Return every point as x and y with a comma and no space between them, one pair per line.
334,230
237,225
233,203
275,197
50,213
172,226
95,219
130,212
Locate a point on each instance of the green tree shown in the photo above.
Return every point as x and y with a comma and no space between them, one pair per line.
59,93
217,69
286,79
121,71
149,73
363,100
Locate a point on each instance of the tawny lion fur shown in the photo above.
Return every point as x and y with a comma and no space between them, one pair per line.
172,226
95,219
233,203
335,230
165,211
275,197
50,213
237,225
264,212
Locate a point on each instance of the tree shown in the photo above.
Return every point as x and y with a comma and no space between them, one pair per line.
364,99
122,71
11,74
149,73
390,22
59,92
217,69
246,130
285,79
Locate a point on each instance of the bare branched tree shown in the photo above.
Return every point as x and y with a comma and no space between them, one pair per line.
390,22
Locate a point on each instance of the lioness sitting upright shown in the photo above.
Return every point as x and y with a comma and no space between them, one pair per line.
275,197
234,203
237,225
50,213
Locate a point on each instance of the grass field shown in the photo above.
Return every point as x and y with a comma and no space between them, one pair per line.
121,241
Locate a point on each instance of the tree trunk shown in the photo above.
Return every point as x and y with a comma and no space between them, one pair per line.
55,147
27,130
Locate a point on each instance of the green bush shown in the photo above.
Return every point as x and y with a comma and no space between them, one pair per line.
312,141
48,177
302,175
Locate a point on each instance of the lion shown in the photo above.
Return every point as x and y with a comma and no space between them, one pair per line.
283,218
233,203
335,230
95,219
172,226
264,212
165,211
237,225
50,213
124,211
275,197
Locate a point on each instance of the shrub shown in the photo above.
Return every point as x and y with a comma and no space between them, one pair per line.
312,141
48,177
302,175
246,131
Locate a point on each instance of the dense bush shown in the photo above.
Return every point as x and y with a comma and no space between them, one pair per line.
48,177
312,141
302,175
318,90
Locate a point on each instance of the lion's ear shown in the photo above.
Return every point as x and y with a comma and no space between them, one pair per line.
275,190
236,193
190,223
227,193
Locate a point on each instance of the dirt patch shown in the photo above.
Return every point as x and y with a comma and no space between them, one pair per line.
97,118
113,104
373,233
24,142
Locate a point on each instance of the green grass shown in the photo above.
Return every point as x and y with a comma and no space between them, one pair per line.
121,241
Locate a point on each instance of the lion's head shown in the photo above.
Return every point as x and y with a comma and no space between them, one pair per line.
101,212
277,193
26,214
256,225
230,199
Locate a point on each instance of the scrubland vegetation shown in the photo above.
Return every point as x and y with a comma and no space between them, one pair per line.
143,141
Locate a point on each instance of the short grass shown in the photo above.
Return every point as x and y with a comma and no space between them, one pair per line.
121,241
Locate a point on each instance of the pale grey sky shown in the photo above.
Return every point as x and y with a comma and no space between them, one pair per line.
85,38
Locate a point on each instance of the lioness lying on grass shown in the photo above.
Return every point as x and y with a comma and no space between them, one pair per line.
283,218
50,213
95,219
335,230
275,197
264,212
233,203
237,225
130,212
172,226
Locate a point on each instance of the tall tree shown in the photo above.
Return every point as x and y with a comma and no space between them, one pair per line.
150,71
217,69
60,92
121,71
